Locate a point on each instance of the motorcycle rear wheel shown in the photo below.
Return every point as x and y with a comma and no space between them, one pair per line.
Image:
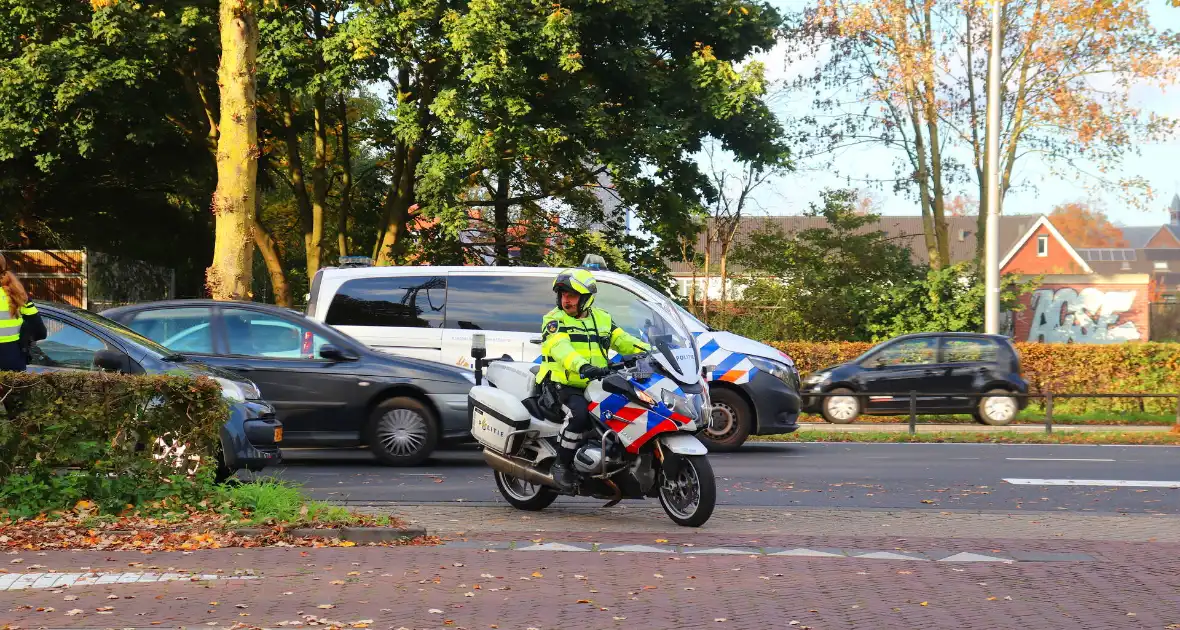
524,495
690,498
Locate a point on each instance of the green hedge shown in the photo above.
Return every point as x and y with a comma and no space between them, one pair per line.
72,436
1144,368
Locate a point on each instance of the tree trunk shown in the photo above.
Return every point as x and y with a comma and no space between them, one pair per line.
708,274
319,186
928,228
274,265
345,180
230,275
724,276
500,217
931,108
295,166
397,207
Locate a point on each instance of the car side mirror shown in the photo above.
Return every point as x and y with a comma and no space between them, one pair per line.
112,361
333,353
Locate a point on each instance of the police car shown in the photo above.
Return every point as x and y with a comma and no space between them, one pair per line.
431,313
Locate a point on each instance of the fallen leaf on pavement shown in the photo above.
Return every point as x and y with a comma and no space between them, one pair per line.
434,611
241,606
70,598
326,606
105,608
661,540
619,618
583,601
336,582
923,603
469,594
537,574
927,501
719,619
288,593
657,575
73,613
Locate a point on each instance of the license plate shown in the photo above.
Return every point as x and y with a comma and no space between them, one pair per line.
278,435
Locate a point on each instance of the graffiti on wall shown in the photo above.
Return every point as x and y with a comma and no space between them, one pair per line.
1089,316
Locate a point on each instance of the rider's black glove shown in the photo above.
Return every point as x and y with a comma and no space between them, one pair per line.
590,372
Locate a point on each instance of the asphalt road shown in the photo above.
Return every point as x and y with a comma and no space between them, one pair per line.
899,476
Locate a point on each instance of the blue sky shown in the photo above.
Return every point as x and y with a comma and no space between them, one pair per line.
1156,162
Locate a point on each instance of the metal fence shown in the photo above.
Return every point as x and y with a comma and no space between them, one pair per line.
1048,397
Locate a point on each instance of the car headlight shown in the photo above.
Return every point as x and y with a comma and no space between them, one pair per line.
691,407
238,392
816,378
781,371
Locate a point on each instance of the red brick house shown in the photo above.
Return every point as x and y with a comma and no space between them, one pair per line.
1095,295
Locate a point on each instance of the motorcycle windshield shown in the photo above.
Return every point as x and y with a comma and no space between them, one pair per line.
672,345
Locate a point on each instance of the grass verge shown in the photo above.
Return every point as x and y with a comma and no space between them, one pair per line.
270,502
1027,416
1005,437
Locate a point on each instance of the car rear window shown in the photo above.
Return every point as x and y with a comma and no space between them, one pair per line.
398,301
969,351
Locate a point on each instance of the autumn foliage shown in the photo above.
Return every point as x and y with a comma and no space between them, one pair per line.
1084,226
1147,368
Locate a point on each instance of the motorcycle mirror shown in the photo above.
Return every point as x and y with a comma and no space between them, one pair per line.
479,346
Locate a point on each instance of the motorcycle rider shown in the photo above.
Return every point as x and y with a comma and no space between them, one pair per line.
576,340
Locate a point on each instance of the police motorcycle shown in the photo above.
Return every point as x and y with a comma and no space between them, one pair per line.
646,415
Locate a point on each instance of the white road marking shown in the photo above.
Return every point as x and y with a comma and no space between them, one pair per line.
1055,459
1124,483
22,581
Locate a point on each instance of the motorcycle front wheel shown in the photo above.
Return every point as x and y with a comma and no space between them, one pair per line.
689,499
524,495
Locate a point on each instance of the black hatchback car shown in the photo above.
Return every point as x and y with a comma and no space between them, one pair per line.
80,340
328,389
942,368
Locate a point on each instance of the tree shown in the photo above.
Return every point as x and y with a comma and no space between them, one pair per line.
732,197
1084,226
523,108
820,283
106,140
231,274
948,299
919,68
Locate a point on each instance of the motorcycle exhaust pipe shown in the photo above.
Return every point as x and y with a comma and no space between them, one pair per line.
509,467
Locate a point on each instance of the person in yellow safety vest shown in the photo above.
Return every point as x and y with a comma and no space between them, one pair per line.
20,323
575,344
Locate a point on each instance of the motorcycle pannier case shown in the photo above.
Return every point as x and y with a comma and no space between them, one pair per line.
495,417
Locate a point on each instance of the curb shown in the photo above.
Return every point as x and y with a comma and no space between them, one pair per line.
359,535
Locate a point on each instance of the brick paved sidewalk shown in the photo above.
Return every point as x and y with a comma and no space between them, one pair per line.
444,519
1127,585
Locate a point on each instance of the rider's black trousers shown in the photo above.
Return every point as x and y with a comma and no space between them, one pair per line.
577,421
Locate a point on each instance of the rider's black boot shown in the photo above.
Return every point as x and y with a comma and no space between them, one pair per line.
563,476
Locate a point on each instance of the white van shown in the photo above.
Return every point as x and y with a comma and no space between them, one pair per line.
431,313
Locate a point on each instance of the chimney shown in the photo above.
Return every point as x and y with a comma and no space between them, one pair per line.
1175,210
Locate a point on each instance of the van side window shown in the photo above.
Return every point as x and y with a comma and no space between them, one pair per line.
623,306
401,301
505,303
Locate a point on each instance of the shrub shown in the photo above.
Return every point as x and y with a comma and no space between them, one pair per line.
1141,368
114,440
